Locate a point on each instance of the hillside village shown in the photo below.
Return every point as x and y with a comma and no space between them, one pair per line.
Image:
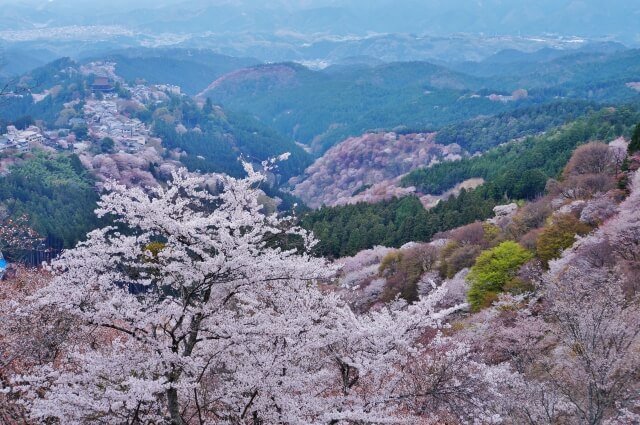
104,124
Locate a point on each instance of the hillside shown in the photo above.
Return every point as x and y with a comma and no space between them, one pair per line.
372,167
483,133
483,272
510,62
319,212
197,135
357,167
319,108
191,69
515,171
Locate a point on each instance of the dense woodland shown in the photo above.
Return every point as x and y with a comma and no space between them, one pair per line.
530,161
345,230
60,77
216,140
192,70
481,134
405,95
532,319
56,193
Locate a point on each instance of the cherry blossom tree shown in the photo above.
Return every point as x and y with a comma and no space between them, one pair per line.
196,307
578,339
28,339
596,361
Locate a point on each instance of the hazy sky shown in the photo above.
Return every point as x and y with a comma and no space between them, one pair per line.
570,17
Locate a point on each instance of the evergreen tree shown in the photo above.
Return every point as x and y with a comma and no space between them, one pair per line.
634,146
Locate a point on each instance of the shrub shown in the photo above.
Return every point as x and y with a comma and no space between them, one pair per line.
390,263
592,158
492,270
585,186
558,236
471,234
445,253
530,217
530,239
463,257
403,269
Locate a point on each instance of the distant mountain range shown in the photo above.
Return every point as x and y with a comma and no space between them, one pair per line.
320,32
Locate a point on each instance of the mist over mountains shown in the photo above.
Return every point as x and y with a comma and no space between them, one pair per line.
587,18
318,32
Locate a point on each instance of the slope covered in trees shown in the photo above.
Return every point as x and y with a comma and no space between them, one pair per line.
321,108
515,302
351,168
195,321
192,319
348,229
60,78
521,168
55,193
216,140
569,324
481,134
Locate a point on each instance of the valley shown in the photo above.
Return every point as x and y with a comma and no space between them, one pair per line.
319,212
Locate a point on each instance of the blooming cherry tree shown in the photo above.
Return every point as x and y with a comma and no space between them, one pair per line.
196,307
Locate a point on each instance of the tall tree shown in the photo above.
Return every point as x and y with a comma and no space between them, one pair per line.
194,313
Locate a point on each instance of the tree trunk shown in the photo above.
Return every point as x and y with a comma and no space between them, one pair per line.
174,407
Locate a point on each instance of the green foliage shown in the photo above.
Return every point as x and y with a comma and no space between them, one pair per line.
559,235
214,142
634,146
517,170
345,230
492,270
81,132
455,257
57,195
323,108
520,170
62,74
154,249
208,106
481,134
191,69
402,271
122,92
23,122
106,145
390,262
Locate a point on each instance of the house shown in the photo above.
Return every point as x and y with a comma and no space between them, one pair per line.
135,141
102,84
23,146
30,136
21,139
169,88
